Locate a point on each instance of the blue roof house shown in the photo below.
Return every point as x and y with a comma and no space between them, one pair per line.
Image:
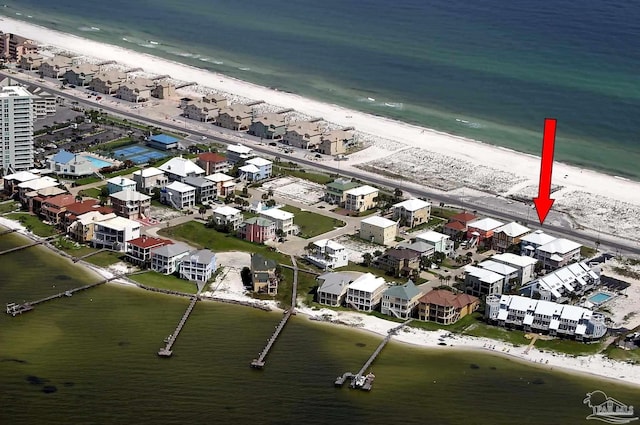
163,142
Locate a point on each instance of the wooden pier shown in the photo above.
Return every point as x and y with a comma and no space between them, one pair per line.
19,248
6,232
15,309
171,339
360,380
260,361
76,259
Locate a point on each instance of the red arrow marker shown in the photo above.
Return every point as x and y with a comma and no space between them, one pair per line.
543,202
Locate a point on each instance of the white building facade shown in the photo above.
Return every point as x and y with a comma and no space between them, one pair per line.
16,125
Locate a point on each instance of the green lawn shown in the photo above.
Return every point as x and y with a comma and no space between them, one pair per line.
93,179
616,353
9,206
159,280
33,223
312,224
587,252
353,267
445,213
106,258
93,192
432,223
457,327
72,247
313,177
114,144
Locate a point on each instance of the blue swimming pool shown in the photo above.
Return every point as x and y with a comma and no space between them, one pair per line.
599,298
98,162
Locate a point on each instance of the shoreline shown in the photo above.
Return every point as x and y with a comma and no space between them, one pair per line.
410,336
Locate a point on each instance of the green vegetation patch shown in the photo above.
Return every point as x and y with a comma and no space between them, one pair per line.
312,177
312,224
93,192
444,212
105,258
587,252
7,207
33,224
161,281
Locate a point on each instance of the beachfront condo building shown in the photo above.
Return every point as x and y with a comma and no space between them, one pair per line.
139,250
336,142
412,212
16,121
13,47
166,259
268,126
533,315
568,282
303,134
30,62
55,67
263,275
235,117
115,233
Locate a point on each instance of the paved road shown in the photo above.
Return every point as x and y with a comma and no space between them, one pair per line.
607,242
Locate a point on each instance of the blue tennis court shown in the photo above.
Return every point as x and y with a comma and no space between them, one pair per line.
138,154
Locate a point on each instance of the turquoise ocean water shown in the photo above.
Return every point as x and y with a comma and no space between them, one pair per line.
487,69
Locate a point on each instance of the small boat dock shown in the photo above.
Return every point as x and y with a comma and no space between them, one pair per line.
360,380
260,361
171,339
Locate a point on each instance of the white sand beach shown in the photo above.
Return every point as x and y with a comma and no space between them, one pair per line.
394,146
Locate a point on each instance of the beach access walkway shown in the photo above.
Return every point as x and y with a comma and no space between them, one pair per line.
259,363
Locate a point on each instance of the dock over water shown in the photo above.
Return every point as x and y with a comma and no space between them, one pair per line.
171,339
19,248
260,361
360,380
14,309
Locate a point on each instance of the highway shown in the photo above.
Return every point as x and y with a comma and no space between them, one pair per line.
609,243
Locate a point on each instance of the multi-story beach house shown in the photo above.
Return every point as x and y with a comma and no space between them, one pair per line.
201,111
225,184
268,126
283,220
480,282
456,228
334,191
11,181
361,198
558,253
303,134
178,168
399,262
238,154
365,293
412,212
509,235
78,209
81,75
439,241
166,259
136,90
533,315
13,47
257,229
55,67
139,249
178,195
421,248
445,307
228,217
571,281
198,266
481,231
108,82
256,169
82,229
30,62
131,204
378,230
332,287
118,184
401,301
53,208
16,121
212,163
523,264
509,274
44,103
36,185
235,117
327,254
205,188
336,142
115,233
149,179
263,275
163,90
529,243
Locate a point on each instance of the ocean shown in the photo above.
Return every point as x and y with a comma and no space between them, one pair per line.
91,359
487,69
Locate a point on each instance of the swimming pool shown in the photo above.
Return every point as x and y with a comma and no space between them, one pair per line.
98,162
599,297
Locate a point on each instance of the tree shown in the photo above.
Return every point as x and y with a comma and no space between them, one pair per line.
245,275
245,190
397,193
270,193
202,210
425,263
79,197
367,259
377,253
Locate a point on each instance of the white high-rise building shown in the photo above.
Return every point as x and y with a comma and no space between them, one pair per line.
16,127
